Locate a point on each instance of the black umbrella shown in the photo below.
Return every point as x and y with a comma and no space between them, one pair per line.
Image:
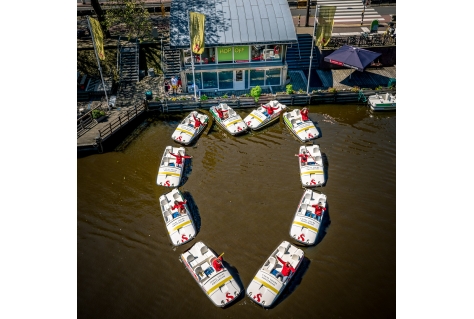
352,57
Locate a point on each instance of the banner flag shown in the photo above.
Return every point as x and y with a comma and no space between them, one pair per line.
196,30
97,37
325,25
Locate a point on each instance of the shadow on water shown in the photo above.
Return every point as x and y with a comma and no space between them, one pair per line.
294,283
323,228
326,168
235,274
186,171
194,210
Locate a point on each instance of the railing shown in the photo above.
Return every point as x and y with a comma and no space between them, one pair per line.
363,40
121,121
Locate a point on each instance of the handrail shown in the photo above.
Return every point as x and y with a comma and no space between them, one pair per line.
121,121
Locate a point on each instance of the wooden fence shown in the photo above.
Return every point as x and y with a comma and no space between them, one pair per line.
121,121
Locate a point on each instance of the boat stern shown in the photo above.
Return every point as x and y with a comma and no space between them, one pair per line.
312,175
255,120
181,229
168,176
184,134
264,289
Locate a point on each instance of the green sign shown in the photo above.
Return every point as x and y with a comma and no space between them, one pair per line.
241,53
224,54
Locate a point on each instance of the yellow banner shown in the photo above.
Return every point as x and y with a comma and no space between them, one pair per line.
196,32
325,25
97,37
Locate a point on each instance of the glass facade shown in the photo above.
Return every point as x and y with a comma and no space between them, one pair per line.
226,80
257,77
273,77
209,80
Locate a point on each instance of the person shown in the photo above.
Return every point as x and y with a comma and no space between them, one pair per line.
174,84
167,87
286,270
318,210
304,114
276,50
217,263
180,207
179,158
269,109
221,113
197,122
179,81
304,157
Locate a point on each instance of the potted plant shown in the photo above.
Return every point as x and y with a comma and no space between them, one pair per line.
98,115
256,92
289,89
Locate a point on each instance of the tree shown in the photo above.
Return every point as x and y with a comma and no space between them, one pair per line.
101,17
132,14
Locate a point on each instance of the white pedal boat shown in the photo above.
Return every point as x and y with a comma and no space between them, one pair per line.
385,102
305,226
185,133
265,287
219,286
169,174
257,119
303,130
312,174
232,123
180,228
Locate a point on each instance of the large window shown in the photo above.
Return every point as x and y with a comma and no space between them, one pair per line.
257,53
226,80
257,77
209,80
273,77
189,79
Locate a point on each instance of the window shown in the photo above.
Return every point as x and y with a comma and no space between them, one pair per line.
257,77
189,79
226,80
209,80
273,77
257,53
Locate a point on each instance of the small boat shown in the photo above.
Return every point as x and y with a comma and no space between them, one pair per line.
304,130
180,227
258,118
268,284
305,226
231,121
186,131
169,173
217,284
312,174
385,102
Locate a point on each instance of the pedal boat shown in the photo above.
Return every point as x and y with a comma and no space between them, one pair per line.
257,119
304,130
265,287
169,174
233,123
305,226
386,102
180,228
220,287
185,133
312,174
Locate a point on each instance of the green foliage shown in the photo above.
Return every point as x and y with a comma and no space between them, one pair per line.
300,91
255,92
204,97
289,89
97,113
378,88
225,96
332,90
355,89
130,13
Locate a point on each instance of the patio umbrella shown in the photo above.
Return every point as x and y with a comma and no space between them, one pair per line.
352,57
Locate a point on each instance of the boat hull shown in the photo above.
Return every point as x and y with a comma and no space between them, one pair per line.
305,226
181,228
234,124
303,130
385,102
312,174
257,120
169,174
265,287
220,287
185,133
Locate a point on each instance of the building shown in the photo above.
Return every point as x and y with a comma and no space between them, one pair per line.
245,43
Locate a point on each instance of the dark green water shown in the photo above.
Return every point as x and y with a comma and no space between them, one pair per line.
245,190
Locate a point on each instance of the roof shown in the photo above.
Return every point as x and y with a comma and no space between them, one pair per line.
233,22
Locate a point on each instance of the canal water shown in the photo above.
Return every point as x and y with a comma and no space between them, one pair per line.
244,192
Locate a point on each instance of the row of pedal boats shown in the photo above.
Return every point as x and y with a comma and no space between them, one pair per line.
200,260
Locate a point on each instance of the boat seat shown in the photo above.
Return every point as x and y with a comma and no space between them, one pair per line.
303,208
293,122
318,159
307,197
190,258
387,96
282,249
198,270
270,265
203,250
176,196
295,257
167,216
164,202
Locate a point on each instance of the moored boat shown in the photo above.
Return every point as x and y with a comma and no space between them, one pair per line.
308,217
268,283
259,118
189,129
228,119
304,130
384,102
179,225
170,171
311,172
213,277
